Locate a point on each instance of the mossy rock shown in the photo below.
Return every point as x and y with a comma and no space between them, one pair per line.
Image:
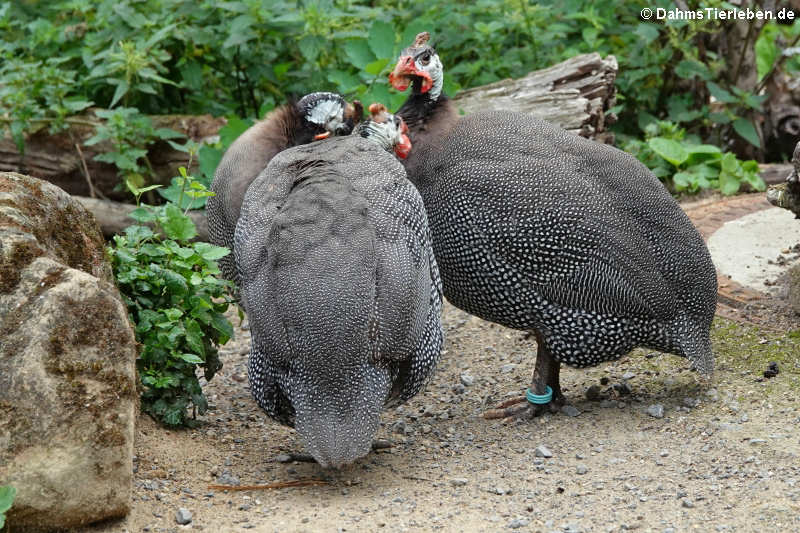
67,363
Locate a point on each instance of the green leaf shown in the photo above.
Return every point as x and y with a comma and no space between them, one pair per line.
191,358
376,67
223,327
231,131
720,94
209,252
671,150
194,337
208,159
122,89
177,225
344,81
7,494
747,131
310,46
142,214
358,52
647,32
381,39
766,50
688,69
77,105
167,133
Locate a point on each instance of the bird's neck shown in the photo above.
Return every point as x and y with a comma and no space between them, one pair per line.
429,121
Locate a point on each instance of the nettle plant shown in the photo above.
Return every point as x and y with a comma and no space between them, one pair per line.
176,300
689,165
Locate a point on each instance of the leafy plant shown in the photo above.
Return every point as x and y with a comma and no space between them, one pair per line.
7,495
129,133
688,165
176,300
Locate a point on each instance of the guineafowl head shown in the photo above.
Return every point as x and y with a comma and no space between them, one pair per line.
386,129
329,114
419,66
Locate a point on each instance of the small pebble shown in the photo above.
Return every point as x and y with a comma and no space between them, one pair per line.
594,393
467,380
518,523
505,369
570,410
283,458
623,389
772,370
628,375
687,503
183,516
542,451
581,470
459,481
459,388
656,410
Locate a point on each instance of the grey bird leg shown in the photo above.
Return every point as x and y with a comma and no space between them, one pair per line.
545,373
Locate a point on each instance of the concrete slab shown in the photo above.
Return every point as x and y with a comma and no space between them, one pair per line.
742,248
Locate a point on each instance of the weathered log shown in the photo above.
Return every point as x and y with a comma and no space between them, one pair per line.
575,94
112,217
63,159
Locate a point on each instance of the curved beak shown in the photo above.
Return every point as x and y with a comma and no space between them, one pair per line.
323,135
404,71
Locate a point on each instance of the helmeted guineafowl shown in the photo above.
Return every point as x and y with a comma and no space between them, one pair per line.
341,288
315,115
537,229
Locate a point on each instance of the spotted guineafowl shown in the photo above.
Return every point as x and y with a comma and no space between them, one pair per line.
341,288
316,115
540,230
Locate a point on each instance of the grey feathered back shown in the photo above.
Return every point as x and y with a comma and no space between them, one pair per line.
242,162
537,228
342,291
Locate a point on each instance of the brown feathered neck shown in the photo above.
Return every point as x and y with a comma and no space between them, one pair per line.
420,111
287,122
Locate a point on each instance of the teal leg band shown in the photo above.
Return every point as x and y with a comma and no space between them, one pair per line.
539,398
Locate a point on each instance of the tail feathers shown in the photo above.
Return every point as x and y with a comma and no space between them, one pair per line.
697,349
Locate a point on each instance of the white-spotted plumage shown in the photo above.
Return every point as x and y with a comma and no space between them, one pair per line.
342,291
538,229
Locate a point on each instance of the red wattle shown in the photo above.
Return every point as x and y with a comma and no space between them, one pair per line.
403,148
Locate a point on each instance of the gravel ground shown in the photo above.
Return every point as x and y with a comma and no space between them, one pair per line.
654,449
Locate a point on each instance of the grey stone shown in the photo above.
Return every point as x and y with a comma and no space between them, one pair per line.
687,503
459,481
505,369
570,410
581,469
518,523
542,451
183,516
656,410
628,375
226,478
283,458
467,380
67,363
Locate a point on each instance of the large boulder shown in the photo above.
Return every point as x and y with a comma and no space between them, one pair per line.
68,394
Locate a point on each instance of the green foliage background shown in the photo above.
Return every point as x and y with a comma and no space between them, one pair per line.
241,58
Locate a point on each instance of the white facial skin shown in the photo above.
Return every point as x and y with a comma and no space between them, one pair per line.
433,66
328,114
387,134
